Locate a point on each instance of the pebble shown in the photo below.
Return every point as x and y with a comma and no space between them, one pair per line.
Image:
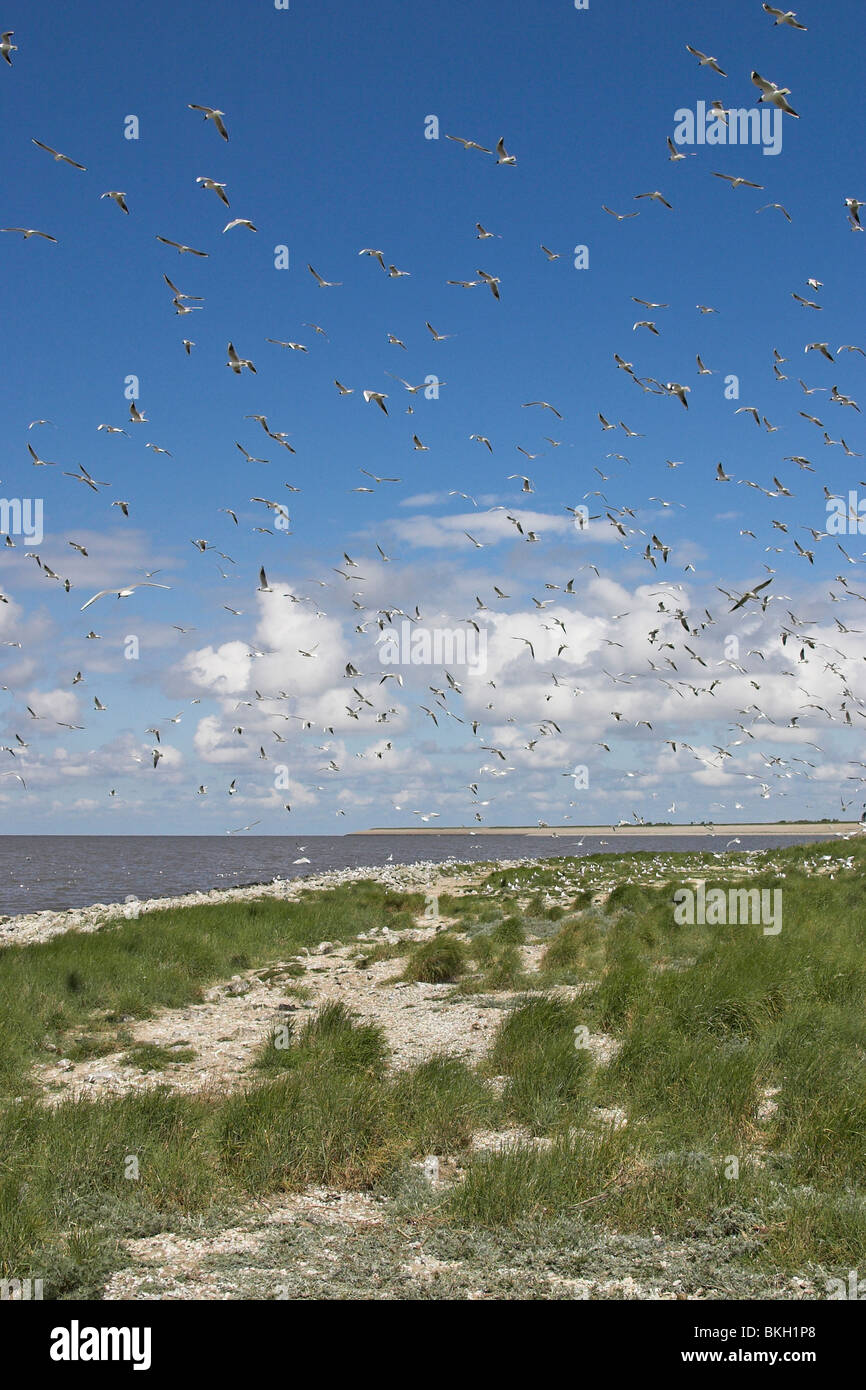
41,926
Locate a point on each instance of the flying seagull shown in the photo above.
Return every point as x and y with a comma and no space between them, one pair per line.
656,197
181,249
705,61
211,114
28,232
238,363
37,461
58,157
779,208
737,182
82,476
673,388
323,284
776,96
750,593
469,144
218,188
124,593
784,17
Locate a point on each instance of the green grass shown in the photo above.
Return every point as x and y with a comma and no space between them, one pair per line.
547,1074
440,1103
87,1045
574,951
317,1124
706,1018
505,1188
440,960
510,931
331,1040
129,970
155,1057
331,1116
500,964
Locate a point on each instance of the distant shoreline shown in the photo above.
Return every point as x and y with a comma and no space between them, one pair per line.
627,831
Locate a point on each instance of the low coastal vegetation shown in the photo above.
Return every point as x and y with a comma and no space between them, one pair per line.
690,1101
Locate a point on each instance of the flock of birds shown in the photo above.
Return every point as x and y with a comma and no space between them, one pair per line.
684,662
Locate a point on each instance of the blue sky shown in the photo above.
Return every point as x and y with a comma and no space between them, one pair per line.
327,108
